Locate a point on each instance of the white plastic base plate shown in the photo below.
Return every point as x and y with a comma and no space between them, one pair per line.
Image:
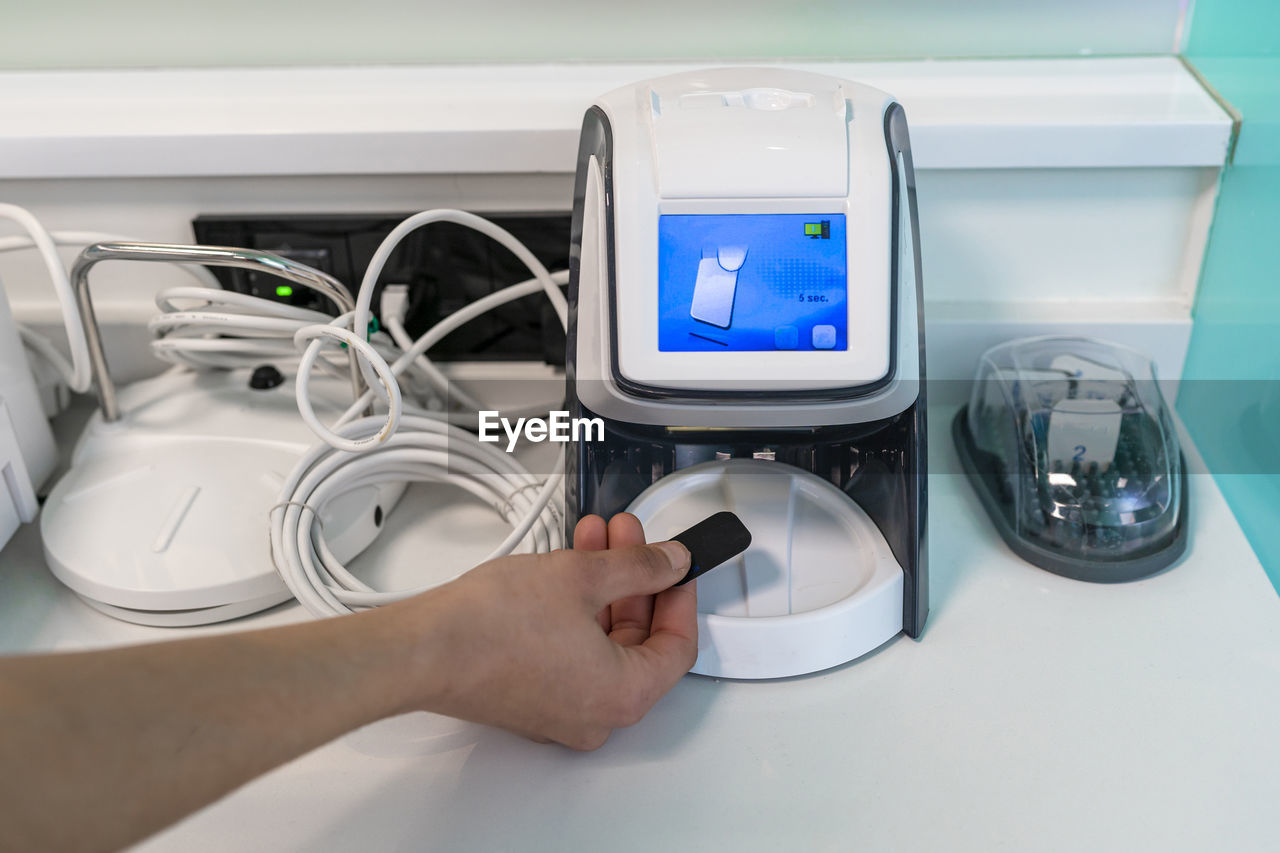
817,588
189,618
163,517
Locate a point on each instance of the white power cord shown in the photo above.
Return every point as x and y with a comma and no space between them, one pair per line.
404,444
85,238
392,309
77,373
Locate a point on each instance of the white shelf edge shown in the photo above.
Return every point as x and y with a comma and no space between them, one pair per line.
970,114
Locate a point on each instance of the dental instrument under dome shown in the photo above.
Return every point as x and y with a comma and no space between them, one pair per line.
1073,452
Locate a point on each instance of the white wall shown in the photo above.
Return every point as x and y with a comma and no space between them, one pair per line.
1063,237
159,33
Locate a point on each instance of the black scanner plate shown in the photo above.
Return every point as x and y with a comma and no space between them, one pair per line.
712,541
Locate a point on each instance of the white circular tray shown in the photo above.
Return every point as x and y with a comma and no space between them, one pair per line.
818,586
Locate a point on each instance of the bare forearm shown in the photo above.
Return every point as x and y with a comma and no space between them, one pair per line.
100,749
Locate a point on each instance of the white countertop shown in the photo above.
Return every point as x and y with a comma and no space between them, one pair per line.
1036,713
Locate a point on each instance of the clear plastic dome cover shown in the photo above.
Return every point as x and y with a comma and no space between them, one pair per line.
1072,442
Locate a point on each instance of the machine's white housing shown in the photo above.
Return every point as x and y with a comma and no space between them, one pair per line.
820,584
818,145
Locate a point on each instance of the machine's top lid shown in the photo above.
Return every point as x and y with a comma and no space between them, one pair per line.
797,125
747,252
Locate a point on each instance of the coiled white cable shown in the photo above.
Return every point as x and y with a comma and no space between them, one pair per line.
425,449
420,447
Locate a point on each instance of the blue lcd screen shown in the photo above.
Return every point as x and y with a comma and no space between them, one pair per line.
752,282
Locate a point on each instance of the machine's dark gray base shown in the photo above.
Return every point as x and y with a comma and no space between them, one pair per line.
1094,571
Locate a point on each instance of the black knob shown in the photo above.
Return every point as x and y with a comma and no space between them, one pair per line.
265,377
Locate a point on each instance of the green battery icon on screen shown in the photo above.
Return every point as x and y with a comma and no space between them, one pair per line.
818,230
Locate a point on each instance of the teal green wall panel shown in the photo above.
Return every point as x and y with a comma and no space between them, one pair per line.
1234,28
1230,396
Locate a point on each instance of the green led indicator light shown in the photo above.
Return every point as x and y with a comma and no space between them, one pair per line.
284,290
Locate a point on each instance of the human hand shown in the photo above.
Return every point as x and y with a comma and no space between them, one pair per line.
562,647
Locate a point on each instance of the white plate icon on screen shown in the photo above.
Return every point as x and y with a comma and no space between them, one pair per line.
716,285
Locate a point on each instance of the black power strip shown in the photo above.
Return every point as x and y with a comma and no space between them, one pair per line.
445,266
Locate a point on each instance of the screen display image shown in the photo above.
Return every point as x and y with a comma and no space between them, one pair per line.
752,282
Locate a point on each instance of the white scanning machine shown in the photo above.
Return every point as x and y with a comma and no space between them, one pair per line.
745,317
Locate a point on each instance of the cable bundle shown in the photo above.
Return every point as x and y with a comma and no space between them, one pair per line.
204,327
417,446
207,327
